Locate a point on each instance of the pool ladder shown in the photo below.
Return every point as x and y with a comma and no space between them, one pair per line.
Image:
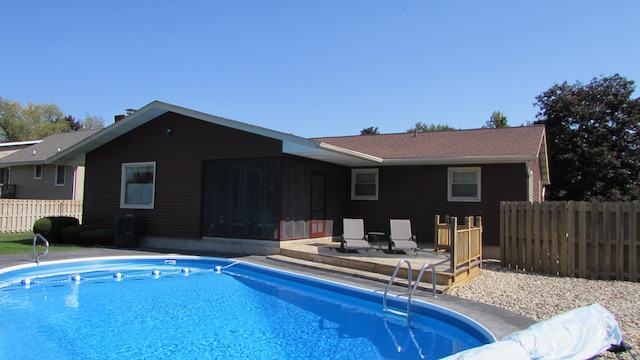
411,290
36,257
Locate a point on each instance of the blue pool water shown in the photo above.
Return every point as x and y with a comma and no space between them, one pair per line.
210,308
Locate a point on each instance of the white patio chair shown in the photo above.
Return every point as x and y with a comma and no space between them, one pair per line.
401,237
353,236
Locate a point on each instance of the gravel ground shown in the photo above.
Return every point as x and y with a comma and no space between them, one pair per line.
541,297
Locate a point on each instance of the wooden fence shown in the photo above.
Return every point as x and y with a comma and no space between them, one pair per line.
464,242
592,240
17,215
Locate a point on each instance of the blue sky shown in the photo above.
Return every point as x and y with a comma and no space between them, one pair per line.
313,68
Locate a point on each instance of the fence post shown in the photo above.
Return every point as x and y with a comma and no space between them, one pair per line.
503,232
436,236
620,242
479,240
633,242
453,221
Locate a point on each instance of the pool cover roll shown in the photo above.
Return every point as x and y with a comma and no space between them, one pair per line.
581,333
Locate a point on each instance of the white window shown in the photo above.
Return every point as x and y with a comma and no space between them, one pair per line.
37,171
364,184
61,175
138,185
464,184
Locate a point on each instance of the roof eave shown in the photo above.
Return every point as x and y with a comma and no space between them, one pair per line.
23,163
20,143
156,109
543,159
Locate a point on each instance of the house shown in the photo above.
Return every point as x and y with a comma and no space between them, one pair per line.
27,173
8,148
195,181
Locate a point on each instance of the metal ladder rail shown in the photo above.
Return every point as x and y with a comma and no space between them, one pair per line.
415,286
433,279
395,272
36,258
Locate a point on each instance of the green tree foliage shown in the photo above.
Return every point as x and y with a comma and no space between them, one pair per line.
369,131
74,125
37,121
10,128
497,120
593,139
93,122
420,127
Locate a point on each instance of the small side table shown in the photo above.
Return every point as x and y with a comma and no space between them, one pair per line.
377,240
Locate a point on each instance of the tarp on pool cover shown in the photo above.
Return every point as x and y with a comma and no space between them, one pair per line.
581,333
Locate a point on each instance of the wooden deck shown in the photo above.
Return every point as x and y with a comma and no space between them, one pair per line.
381,264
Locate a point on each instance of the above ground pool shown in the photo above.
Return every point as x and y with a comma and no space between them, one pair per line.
188,307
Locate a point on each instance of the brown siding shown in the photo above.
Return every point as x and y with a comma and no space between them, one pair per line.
419,193
536,180
179,162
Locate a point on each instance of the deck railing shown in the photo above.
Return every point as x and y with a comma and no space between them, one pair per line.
463,241
7,191
18,215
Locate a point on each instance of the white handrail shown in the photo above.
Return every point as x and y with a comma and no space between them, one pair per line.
36,258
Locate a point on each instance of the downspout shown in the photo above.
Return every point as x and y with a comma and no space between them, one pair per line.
73,185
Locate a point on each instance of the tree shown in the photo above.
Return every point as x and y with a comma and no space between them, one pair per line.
37,121
11,128
497,120
420,127
593,139
93,122
73,124
369,131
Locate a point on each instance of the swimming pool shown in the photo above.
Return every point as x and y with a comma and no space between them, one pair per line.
198,307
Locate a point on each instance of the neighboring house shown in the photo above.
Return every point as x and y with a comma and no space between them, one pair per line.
28,174
200,182
8,148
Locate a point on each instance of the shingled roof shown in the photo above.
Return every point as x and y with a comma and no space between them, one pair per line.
501,145
480,146
40,152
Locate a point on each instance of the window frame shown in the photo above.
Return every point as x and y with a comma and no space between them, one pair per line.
64,175
478,172
354,173
123,185
37,175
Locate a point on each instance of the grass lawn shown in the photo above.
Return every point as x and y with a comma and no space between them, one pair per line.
22,243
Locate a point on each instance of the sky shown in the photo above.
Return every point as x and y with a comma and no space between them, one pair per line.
313,68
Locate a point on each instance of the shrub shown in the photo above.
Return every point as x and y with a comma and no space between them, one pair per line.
97,236
71,234
51,227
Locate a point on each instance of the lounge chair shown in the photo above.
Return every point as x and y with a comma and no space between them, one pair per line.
401,237
353,237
